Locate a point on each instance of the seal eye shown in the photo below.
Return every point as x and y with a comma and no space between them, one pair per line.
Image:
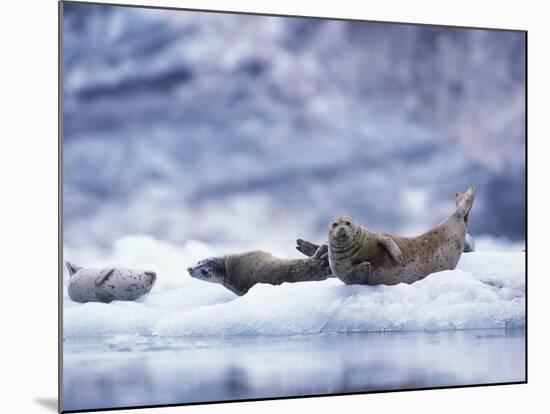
204,272
348,223
334,225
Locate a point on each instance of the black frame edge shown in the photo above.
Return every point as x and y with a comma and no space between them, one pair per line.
526,210
60,206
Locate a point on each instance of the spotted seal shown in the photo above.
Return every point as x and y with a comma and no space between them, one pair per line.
360,256
108,284
239,272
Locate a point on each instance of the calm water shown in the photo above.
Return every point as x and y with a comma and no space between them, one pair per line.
129,371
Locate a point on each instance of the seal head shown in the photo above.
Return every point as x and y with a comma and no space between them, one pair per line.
211,269
342,229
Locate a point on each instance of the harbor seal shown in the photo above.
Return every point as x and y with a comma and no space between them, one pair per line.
108,284
239,272
360,256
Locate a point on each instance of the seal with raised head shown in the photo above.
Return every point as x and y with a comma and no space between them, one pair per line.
360,256
108,284
239,272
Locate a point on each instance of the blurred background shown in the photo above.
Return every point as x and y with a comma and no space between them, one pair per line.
250,131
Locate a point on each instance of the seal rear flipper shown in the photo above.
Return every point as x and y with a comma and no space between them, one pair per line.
72,268
464,202
469,244
103,275
305,247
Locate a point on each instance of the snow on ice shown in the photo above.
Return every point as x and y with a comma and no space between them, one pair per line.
487,290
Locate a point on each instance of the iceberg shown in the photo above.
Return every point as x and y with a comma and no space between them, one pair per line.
486,290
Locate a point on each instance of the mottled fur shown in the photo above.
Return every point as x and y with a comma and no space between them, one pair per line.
108,284
360,256
239,272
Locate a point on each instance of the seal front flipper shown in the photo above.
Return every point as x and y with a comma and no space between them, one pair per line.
105,297
72,268
305,247
103,275
359,275
391,247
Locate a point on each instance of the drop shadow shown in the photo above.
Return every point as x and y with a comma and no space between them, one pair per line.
49,403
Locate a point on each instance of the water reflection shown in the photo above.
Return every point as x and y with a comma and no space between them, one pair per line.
151,371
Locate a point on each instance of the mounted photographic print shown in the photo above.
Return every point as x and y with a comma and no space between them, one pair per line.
263,206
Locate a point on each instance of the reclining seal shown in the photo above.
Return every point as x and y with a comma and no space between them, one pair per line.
239,272
360,256
108,284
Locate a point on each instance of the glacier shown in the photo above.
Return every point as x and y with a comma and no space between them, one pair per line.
217,127
486,290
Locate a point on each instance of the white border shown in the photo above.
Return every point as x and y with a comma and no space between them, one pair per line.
28,162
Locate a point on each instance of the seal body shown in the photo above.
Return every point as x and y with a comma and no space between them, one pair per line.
360,256
106,285
239,272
